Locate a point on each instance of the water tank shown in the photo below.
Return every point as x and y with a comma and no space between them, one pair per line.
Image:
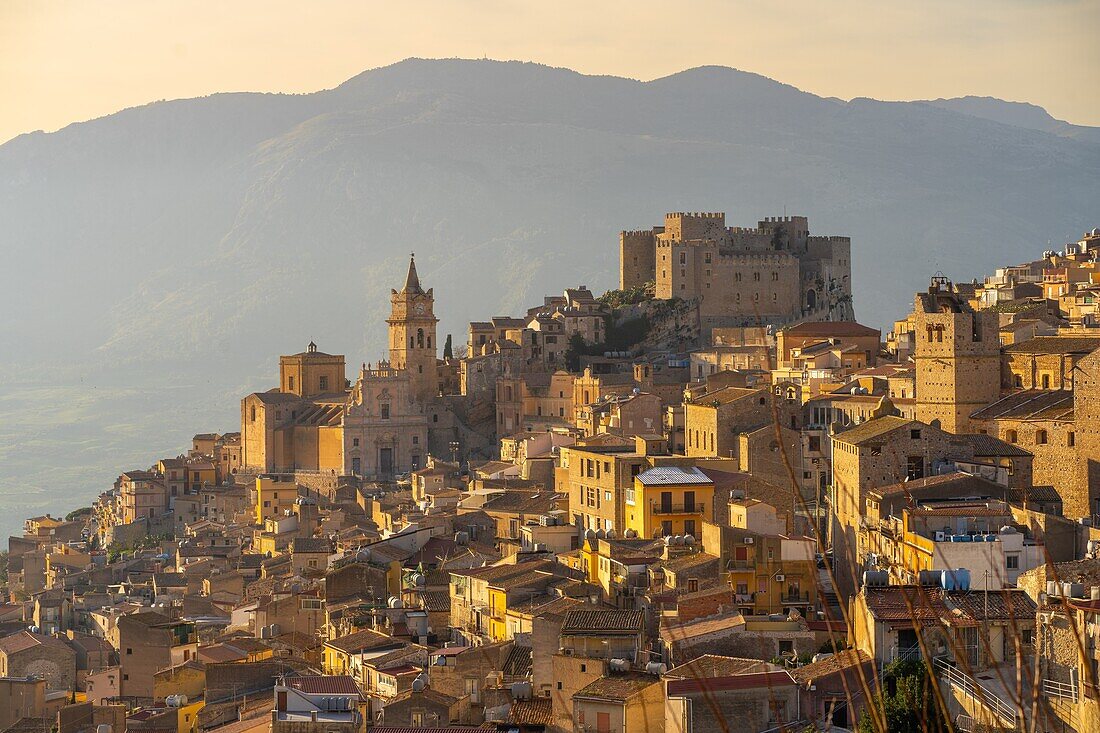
394,602
175,701
821,655
420,682
630,534
947,579
962,579
1076,590
1054,588
265,632
441,661
657,668
462,538
363,556
590,534
619,665
929,577
275,630
689,540
521,690
1007,529
876,578
600,534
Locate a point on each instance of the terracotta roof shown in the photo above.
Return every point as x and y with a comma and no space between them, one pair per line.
1030,404
1055,345
830,328
966,484
26,640
518,663
535,711
324,684
845,659
769,680
988,445
311,544
906,606
604,621
361,641
724,396
617,687
713,665
874,429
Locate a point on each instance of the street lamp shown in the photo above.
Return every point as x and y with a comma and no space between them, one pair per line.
454,451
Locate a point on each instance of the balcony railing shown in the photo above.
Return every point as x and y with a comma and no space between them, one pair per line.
677,508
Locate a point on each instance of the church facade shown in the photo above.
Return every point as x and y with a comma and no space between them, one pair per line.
376,427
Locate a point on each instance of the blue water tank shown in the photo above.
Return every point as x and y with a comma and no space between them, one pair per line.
962,579
947,580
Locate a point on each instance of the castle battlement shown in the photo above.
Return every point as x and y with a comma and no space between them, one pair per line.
774,268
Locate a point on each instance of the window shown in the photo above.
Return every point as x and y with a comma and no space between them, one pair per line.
355,442
914,467
786,646
1010,436
1012,562
324,383
1071,439
290,384
1046,381
1040,437
756,276
683,258
385,411
416,440
252,413
129,650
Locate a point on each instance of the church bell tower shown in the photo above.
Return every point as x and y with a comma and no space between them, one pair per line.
412,335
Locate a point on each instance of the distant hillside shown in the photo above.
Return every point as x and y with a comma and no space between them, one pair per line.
159,259
1017,114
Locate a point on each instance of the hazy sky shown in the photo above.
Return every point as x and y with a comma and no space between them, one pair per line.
61,62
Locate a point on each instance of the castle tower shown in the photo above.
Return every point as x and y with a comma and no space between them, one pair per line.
957,358
412,335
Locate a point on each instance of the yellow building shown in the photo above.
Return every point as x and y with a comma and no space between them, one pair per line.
274,495
669,500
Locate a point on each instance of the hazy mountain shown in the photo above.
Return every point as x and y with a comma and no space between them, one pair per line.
1017,114
156,261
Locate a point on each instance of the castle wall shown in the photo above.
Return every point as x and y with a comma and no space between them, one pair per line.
636,258
772,274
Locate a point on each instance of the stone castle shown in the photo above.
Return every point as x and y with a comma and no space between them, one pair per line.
772,274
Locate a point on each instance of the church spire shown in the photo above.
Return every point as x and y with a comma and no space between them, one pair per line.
412,282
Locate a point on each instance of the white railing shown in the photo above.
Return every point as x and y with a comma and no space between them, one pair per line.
1067,690
966,684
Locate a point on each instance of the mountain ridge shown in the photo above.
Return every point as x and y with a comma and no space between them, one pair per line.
190,242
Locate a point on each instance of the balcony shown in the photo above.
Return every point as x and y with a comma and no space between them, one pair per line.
677,508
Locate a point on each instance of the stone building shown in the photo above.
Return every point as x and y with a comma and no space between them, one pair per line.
377,427
775,273
957,353
26,654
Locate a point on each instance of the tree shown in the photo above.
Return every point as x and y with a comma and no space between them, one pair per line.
912,707
448,351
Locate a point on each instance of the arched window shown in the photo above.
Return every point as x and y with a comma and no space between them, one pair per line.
420,337
1046,381
1010,436
1040,437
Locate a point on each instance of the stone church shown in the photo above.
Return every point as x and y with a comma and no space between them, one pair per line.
376,427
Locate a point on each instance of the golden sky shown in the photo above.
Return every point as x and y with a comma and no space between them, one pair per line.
62,62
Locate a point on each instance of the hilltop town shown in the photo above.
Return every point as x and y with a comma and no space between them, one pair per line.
708,500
